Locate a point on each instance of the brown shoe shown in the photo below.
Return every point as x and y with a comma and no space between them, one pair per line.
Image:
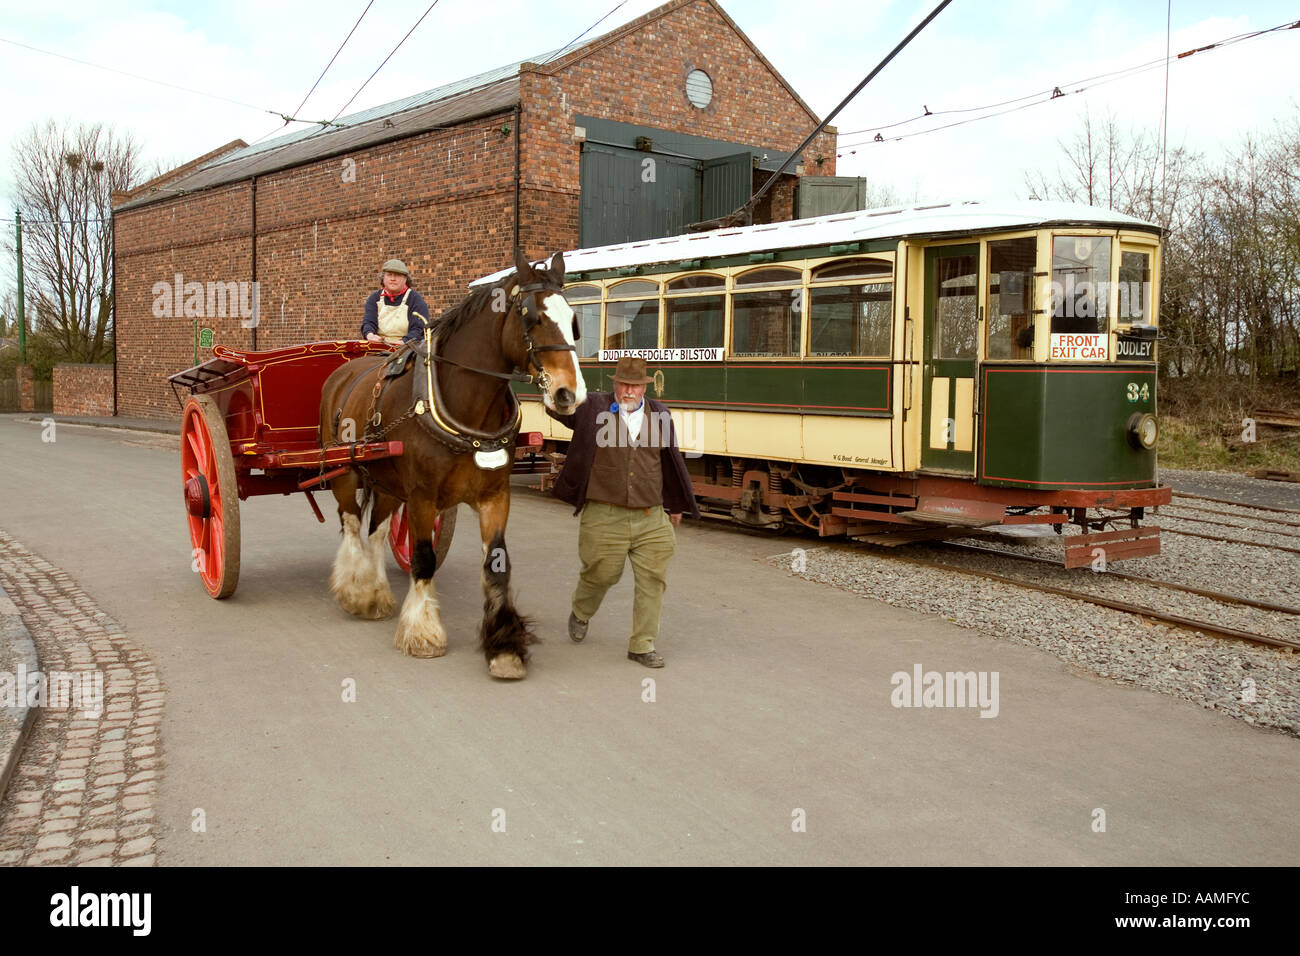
649,658
577,629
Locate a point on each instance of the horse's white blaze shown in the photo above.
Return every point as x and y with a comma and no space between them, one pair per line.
419,628
561,313
357,579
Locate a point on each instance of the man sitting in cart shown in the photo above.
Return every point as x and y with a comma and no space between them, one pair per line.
395,313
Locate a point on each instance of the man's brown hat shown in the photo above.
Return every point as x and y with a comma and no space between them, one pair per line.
631,371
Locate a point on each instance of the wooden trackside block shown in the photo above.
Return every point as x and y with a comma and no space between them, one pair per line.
1114,546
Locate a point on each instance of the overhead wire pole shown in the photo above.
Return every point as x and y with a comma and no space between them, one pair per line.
22,315
745,212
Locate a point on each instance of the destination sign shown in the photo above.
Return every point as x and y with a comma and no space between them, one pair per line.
1133,348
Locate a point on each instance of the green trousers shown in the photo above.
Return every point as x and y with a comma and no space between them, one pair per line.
608,536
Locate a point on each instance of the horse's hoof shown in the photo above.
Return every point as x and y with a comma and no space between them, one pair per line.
507,667
411,641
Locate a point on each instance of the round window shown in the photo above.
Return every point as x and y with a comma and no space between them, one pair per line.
699,88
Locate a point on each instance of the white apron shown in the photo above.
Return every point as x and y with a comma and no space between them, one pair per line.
394,320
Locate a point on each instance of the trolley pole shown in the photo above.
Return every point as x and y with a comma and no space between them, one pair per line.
22,318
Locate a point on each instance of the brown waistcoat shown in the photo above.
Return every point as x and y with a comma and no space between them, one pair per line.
627,474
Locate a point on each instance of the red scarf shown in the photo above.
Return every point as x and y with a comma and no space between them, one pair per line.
393,298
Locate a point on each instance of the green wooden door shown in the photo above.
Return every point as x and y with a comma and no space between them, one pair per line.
949,358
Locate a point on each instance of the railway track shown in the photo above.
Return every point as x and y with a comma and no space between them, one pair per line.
1149,613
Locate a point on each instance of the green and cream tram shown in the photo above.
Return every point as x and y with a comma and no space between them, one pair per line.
890,374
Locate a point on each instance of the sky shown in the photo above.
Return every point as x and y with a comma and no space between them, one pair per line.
266,54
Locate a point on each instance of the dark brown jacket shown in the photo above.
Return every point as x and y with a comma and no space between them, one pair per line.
571,486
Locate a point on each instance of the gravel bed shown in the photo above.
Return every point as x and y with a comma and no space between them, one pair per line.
1262,574
1208,671
1100,584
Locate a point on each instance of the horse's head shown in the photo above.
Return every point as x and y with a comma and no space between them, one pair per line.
547,330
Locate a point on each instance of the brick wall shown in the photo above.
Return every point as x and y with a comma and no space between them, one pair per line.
83,390
442,201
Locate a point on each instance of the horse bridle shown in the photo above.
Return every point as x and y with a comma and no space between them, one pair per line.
528,320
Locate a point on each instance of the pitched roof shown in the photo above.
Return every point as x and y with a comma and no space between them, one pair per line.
448,105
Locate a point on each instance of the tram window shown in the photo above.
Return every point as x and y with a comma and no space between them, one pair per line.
582,293
585,300
765,324
694,321
695,283
851,320
1011,299
764,278
632,325
1080,283
1134,287
955,317
633,287
854,269
588,314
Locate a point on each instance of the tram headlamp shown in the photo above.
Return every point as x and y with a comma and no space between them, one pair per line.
1142,431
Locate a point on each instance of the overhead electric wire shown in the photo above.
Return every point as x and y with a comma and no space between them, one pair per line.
381,65
1056,92
564,49
288,119
137,76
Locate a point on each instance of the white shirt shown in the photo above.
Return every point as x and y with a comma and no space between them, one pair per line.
634,419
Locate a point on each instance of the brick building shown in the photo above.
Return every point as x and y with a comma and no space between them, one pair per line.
670,119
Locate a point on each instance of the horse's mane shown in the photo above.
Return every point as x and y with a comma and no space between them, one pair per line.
455,318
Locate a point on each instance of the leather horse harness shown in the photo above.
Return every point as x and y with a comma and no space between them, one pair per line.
429,408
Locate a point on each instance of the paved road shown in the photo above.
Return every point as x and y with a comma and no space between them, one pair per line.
776,699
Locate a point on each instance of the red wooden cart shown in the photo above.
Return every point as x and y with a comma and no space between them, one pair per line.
250,427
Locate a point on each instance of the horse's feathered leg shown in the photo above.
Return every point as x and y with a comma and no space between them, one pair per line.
505,635
358,579
419,627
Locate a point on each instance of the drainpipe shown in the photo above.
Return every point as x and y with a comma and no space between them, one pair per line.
519,111
253,186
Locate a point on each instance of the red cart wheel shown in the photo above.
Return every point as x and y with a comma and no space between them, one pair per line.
399,537
211,495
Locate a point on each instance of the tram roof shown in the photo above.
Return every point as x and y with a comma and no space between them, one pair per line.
970,217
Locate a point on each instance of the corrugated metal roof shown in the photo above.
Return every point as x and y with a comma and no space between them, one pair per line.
447,105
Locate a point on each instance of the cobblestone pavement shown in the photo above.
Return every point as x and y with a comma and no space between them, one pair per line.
85,789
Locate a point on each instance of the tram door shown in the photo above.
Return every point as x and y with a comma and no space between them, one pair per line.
951,337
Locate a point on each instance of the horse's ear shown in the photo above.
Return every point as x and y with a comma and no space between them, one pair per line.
523,268
557,269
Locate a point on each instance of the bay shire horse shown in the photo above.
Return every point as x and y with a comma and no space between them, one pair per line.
458,420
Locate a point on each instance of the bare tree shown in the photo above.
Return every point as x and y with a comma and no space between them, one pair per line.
64,178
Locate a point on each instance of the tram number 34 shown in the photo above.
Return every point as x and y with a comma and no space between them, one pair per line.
1135,393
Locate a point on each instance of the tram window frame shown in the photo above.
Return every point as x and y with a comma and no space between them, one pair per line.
690,288
583,304
1068,306
627,292
1124,313
1020,336
787,294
